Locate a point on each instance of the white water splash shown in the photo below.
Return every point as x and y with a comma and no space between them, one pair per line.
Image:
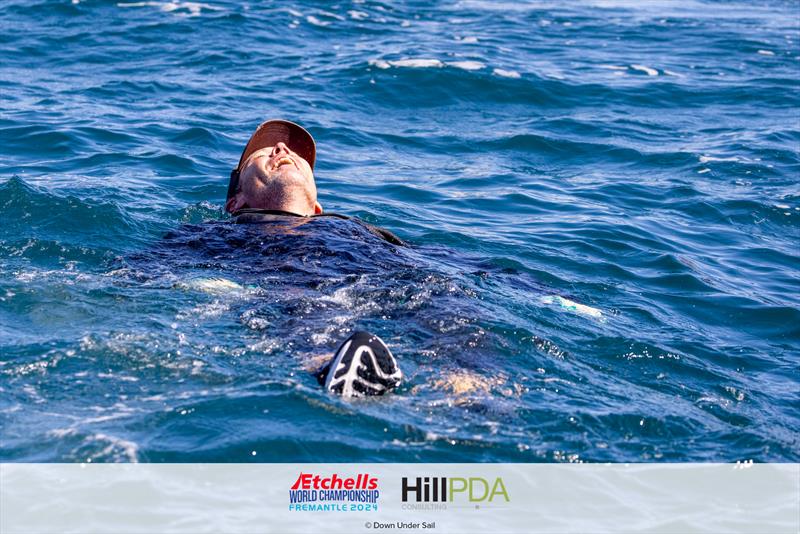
316,22
211,310
358,15
417,63
706,159
572,306
118,449
379,63
193,9
467,65
506,73
431,63
214,286
643,68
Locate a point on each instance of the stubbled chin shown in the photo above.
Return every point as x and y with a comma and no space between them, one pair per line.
282,171
289,173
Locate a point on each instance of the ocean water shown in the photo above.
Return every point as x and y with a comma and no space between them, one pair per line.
601,201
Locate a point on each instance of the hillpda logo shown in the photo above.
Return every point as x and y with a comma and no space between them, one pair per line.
333,493
433,493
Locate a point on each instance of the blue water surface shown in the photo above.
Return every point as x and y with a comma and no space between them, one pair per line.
602,202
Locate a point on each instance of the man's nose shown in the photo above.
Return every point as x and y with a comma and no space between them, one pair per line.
279,148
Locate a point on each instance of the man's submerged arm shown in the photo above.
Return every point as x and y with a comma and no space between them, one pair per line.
385,234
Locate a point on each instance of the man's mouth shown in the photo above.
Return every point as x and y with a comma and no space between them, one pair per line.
283,161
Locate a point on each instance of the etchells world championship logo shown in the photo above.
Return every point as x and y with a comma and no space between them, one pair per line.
333,493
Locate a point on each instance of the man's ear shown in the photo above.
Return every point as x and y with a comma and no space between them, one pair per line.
317,208
234,203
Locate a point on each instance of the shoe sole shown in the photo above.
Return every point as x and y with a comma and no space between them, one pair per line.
363,366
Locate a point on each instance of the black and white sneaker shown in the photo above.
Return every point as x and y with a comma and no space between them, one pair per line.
363,365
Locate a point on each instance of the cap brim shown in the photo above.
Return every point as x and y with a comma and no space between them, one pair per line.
274,131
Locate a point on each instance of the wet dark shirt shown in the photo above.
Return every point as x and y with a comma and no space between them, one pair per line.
254,216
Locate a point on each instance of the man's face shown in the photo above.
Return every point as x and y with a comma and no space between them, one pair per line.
276,169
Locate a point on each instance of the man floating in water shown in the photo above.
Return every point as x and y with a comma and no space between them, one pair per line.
275,179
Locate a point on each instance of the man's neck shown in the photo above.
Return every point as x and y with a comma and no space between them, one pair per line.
266,212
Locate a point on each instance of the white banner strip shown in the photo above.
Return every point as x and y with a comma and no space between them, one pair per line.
438,498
